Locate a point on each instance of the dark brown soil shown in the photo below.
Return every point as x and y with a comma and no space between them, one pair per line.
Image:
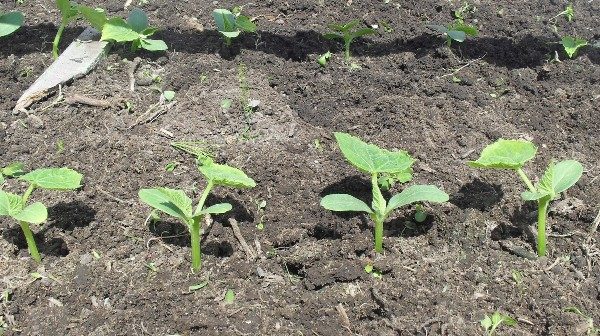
108,270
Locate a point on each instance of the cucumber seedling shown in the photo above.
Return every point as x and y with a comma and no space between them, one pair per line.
176,203
558,177
135,30
10,22
232,23
376,161
16,207
456,31
491,323
347,33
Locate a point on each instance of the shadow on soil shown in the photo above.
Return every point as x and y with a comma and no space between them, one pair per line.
477,194
63,216
528,51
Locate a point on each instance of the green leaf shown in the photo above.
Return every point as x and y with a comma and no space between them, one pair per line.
344,202
138,20
169,95
229,296
463,27
196,287
505,154
438,28
215,209
232,34
244,23
10,22
224,175
417,193
35,213
96,17
349,25
363,32
557,178
323,59
225,20
67,10
10,204
14,169
149,31
2,179
170,201
116,29
457,35
54,178
572,44
332,36
486,323
370,158
154,45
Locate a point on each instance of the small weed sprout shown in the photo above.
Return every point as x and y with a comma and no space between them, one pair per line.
232,23
375,161
558,177
17,207
135,30
490,324
10,22
324,59
176,203
347,33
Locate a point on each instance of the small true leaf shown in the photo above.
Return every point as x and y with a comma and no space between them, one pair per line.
244,23
572,44
417,193
344,202
370,158
54,178
169,95
505,154
225,20
171,201
225,175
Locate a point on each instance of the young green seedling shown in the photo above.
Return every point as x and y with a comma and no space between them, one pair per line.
10,22
558,177
176,203
456,31
490,324
376,161
232,23
347,33
68,13
16,206
135,30
572,44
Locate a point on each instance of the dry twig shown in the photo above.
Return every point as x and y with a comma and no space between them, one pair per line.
250,255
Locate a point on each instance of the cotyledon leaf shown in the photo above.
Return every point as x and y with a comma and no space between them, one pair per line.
505,154
54,178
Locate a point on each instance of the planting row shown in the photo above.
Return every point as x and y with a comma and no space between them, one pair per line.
385,168
231,24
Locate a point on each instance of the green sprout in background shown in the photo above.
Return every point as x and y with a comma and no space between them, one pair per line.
176,203
558,177
491,323
232,23
10,22
347,33
376,161
16,207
